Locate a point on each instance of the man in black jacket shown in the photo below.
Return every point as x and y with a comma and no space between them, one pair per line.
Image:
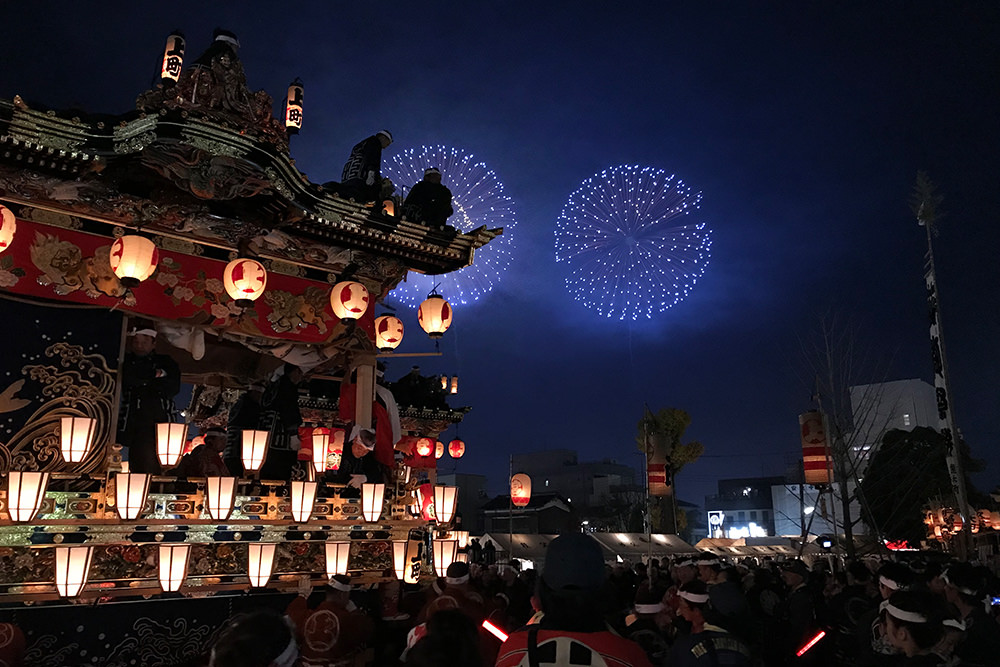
362,176
429,202
149,383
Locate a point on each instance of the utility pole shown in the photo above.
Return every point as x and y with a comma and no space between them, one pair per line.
925,202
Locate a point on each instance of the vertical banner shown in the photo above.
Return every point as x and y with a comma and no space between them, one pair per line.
816,461
657,460
945,418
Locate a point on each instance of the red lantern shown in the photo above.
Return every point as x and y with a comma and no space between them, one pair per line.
438,449
133,259
434,315
388,332
7,227
424,447
520,489
244,280
349,300
456,448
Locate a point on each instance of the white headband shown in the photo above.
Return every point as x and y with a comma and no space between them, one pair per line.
707,561
697,598
143,332
954,623
436,587
340,586
457,580
910,616
651,608
960,589
889,583
288,656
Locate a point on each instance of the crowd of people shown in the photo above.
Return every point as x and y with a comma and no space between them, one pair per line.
690,611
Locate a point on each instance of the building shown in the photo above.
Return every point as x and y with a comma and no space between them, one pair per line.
742,508
797,505
471,497
881,407
585,484
544,513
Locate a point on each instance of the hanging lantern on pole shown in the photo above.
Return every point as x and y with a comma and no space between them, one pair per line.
456,448
173,59
130,494
438,449
434,315
244,280
254,449
444,502
349,300
133,259
260,560
337,554
293,107
520,489
388,332
170,439
816,461
372,496
454,384
424,446
173,566
76,437
220,493
8,226
25,493
444,383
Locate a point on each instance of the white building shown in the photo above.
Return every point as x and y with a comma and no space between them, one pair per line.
881,407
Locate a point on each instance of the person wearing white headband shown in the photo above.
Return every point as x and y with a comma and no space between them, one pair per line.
149,382
708,643
914,625
328,627
965,587
709,568
875,646
648,623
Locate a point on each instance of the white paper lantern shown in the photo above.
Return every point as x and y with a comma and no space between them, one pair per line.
173,565
337,554
72,569
220,492
130,494
388,332
349,300
244,280
260,560
173,59
8,226
434,315
170,440
133,259
372,495
25,493
76,437
303,500
254,449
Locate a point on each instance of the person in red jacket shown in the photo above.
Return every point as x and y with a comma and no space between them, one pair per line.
331,630
572,630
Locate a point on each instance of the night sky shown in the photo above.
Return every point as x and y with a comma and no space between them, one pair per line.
803,125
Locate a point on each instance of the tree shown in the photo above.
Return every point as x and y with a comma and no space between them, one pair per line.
665,429
846,379
907,473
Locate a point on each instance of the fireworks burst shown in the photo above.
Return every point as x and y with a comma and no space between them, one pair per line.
479,200
625,254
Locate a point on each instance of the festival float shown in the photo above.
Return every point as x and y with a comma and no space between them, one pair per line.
190,213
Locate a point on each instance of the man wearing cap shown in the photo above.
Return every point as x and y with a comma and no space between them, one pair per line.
429,202
149,383
362,176
328,626
205,460
573,630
